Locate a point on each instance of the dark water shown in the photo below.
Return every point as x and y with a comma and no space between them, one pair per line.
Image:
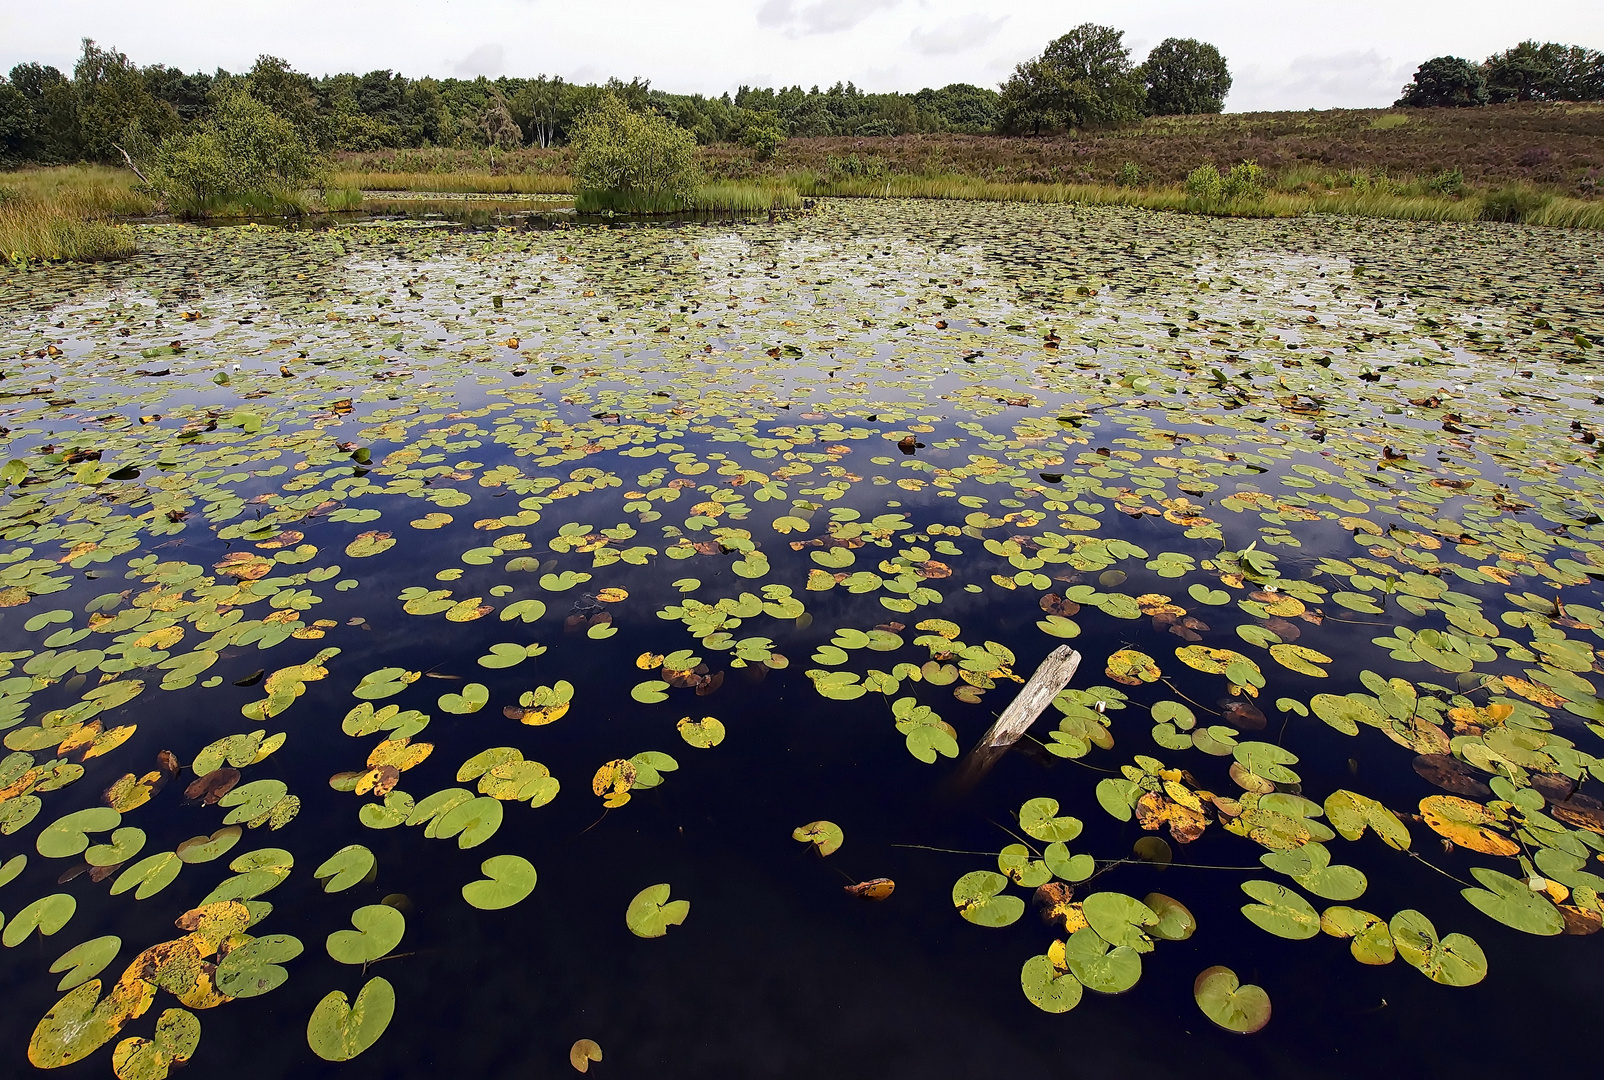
776,972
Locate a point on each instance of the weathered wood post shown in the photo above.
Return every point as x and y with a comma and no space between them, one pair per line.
1037,693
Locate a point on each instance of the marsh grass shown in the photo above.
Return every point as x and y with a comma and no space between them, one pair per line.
466,182
251,204
724,196
65,214
342,199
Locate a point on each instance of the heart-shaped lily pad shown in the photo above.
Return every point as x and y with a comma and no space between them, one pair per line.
84,961
1230,1004
252,969
68,835
149,875
508,880
474,696
47,915
1039,819
651,912
345,868
125,844
339,1031
980,899
379,929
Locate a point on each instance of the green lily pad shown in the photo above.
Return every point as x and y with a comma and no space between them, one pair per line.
149,875
339,1031
1455,960
474,697
508,880
1100,967
1512,903
1038,819
1175,921
251,801
47,915
471,822
1229,1003
651,912
703,733
379,929
347,867
825,836
1048,988
84,961
125,843
253,969
67,835
980,899
1280,911
1120,920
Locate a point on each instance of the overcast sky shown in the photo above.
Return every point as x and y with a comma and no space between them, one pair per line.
1291,54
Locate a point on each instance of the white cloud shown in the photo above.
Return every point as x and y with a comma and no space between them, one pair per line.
822,17
1354,79
489,60
956,35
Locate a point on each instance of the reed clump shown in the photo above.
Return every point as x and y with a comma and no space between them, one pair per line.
66,214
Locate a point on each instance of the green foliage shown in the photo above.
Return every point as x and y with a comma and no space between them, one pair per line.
1534,71
1130,175
242,156
1513,204
634,155
1185,76
763,135
1083,79
1209,192
1445,81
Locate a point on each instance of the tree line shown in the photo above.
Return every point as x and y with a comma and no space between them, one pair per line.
1531,71
108,104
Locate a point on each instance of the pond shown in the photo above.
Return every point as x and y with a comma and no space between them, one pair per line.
540,636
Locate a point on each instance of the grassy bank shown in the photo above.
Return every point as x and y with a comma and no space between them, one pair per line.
468,182
1514,204
720,197
67,214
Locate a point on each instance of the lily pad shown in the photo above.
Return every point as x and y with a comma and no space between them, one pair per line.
1229,1003
379,929
651,912
345,868
339,1031
980,899
508,880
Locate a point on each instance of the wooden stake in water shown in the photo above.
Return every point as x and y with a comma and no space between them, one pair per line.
1034,697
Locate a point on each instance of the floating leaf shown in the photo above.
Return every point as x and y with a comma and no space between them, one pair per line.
253,968
651,912
48,915
1455,960
508,880
1508,900
702,733
825,836
979,898
1229,1003
582,1053
1280,911
1038,819
379,929
84,961
339,1031
345,868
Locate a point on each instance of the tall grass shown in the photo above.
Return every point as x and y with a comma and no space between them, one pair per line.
468,182
64,214
721,197
248,204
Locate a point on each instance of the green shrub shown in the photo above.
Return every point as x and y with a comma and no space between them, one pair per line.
1448,182
645,159
1204,185
1513,204
242,158
1130,175
764,136
1244,183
